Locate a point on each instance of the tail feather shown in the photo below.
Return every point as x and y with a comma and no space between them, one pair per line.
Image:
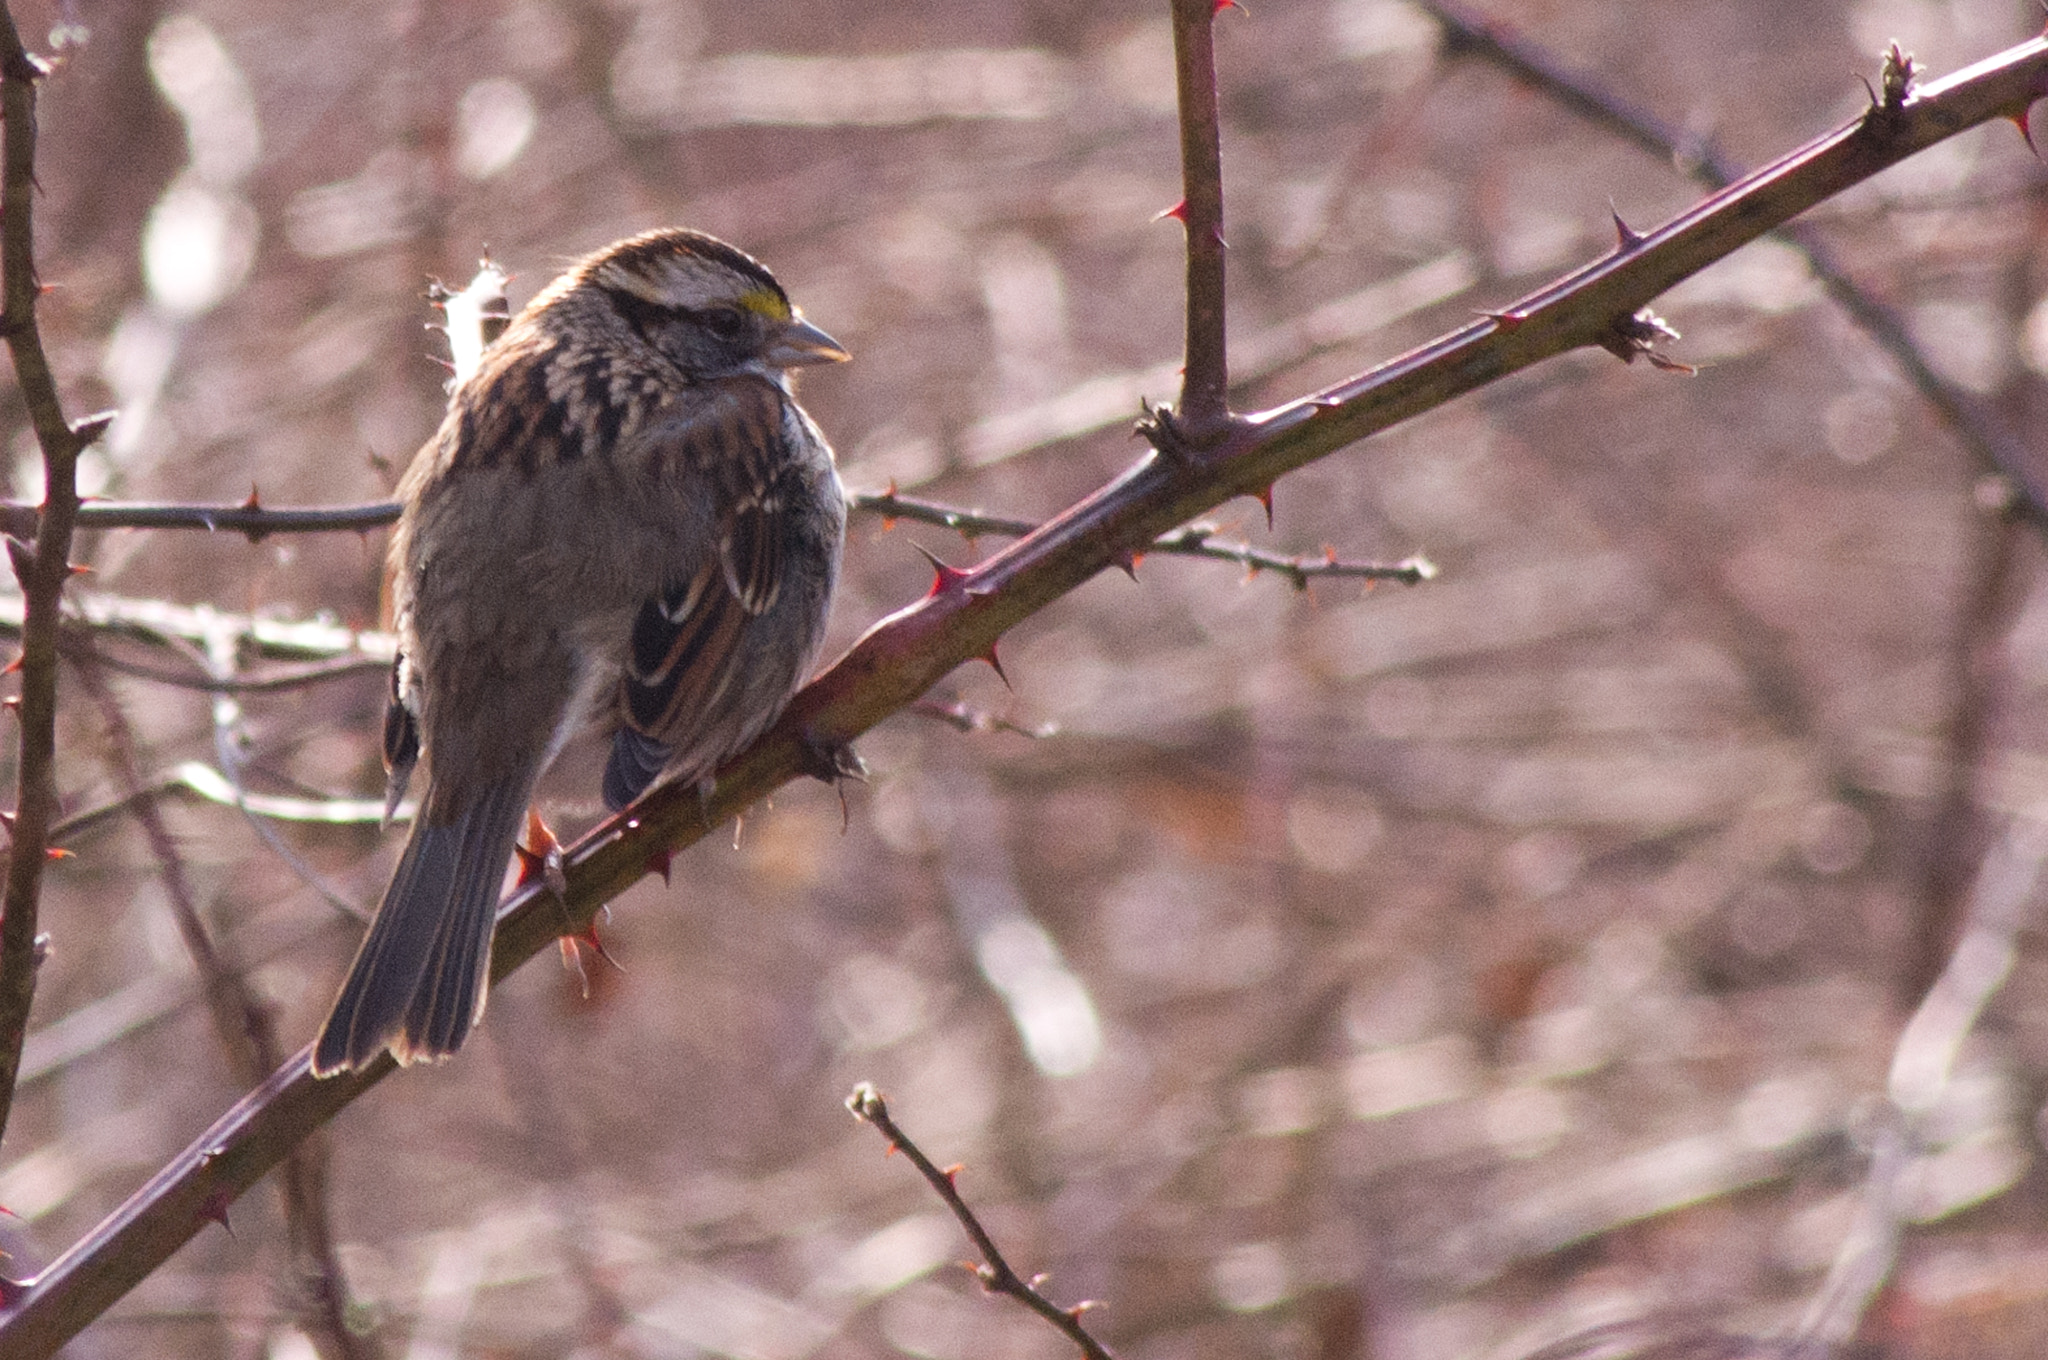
417,984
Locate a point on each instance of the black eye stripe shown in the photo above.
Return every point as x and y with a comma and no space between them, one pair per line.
722,320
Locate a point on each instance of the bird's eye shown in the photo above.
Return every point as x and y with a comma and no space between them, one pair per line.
725,322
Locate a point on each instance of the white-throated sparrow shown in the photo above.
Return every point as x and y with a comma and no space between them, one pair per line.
625,514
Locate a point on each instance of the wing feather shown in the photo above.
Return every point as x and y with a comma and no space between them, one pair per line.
686,637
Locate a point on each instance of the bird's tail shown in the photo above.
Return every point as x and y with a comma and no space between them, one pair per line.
418,982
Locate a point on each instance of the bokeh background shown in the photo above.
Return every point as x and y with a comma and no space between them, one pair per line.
1363,972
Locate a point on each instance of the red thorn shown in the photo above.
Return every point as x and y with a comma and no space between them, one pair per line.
1129,561
658,863
531,864
892,1149
2021,121
996,665
215,1209
80,569
1222,5
1264,496
57,852
952,1173
11,667
1178,212
945,579
254,502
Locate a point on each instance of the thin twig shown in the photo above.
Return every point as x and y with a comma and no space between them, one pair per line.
994,1272
1193,540
249,518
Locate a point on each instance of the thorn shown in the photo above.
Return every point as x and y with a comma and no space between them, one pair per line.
1128,561
254,506
996,665
1626,237
12,703
215,1209
1178,212
658,863
1084,1306
1507,321
57,852
7,822
2020,120
88,429
952,1174
1264,496
945,579
21,555
1222,5
79,569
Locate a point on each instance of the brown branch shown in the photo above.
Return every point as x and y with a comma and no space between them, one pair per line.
1991,440
1193,540
42,568
995,1273
250,518
1204,412
904,655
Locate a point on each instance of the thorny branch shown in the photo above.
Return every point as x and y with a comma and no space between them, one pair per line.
904,655
995,1273
1193,540
42,567
1204,397
1989,438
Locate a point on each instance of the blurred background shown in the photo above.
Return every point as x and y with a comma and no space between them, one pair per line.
1357,972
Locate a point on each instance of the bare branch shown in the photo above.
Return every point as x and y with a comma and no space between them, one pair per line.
1194,540
994,1272
44,568
249,517
1990,439
1204,397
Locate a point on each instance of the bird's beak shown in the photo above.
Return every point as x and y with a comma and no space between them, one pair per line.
802,343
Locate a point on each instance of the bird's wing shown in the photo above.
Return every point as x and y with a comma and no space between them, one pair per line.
686,635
